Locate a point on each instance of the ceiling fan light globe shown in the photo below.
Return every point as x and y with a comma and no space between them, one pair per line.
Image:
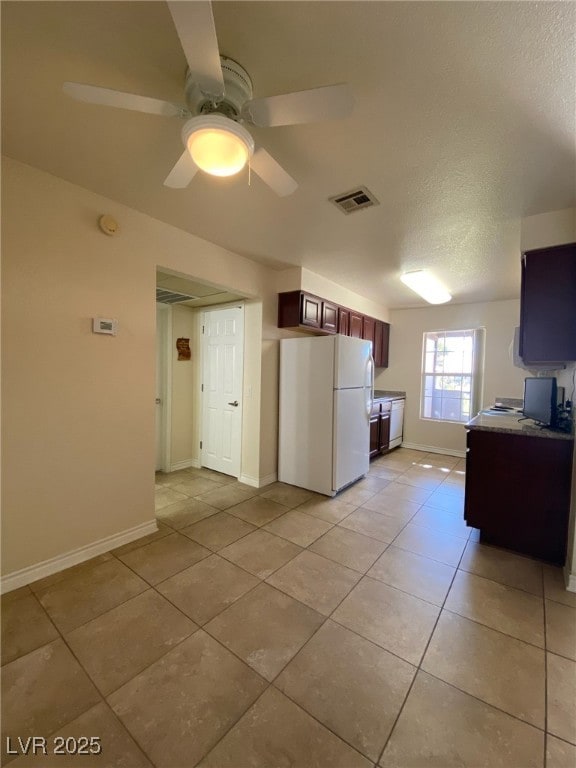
219,146
218,152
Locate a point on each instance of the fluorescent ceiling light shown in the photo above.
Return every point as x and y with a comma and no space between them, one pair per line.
218,145
426,285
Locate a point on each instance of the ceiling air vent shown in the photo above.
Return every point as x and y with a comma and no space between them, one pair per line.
356,200
165,296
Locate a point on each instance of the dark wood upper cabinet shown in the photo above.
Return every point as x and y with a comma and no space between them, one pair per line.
311,312
297,309
329,317
368,328
356,324
548,305
381,344
304,311
343,321
289,309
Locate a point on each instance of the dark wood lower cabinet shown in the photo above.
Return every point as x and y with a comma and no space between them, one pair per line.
518,492
379,427
384,433
375,433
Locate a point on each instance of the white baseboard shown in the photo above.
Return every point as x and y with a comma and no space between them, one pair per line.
32,573
186,464
258,482
434,449
268,479
570,580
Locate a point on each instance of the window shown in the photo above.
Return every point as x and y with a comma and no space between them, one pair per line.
451,366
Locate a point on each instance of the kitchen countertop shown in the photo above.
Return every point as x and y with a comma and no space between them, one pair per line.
510,423
389,394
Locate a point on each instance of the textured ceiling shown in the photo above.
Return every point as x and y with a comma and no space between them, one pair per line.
464,122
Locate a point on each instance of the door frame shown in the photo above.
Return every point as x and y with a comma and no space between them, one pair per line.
204,310
164,338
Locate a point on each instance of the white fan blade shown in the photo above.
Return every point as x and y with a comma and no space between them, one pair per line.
95,95
182,173
272,173
327,103
194,22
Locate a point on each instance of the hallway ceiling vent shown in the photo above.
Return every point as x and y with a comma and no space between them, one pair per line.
356,200
164,296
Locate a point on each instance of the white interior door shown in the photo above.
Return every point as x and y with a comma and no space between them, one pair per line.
222,376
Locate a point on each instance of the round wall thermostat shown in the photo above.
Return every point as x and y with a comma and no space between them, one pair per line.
108,224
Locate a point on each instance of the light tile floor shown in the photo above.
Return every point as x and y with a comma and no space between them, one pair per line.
276,627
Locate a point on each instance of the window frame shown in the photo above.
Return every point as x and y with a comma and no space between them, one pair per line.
475,375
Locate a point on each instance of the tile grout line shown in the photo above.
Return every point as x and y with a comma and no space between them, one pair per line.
301,649
482,701
493,629
500,583
326,618
103,699
141,671
329,617
365,573
419,666
271,684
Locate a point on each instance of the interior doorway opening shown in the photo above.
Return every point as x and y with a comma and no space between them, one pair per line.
182,305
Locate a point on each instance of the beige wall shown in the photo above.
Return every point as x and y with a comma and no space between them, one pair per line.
546,229
254,393
78,408
501,378
298,278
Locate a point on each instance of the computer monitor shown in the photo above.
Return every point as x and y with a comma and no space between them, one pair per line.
540,399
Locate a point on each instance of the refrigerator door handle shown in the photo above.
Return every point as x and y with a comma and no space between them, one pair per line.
370,402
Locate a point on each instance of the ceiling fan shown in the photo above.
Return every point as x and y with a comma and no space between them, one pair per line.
219,103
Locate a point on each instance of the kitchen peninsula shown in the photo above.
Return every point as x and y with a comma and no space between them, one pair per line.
518,479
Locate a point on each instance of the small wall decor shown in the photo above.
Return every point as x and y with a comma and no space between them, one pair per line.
183,347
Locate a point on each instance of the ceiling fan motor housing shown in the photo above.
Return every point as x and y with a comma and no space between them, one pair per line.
237,91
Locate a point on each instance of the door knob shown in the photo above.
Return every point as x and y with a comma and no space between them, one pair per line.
235,403
158,401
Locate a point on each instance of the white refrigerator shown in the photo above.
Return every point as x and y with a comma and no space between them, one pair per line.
326,395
